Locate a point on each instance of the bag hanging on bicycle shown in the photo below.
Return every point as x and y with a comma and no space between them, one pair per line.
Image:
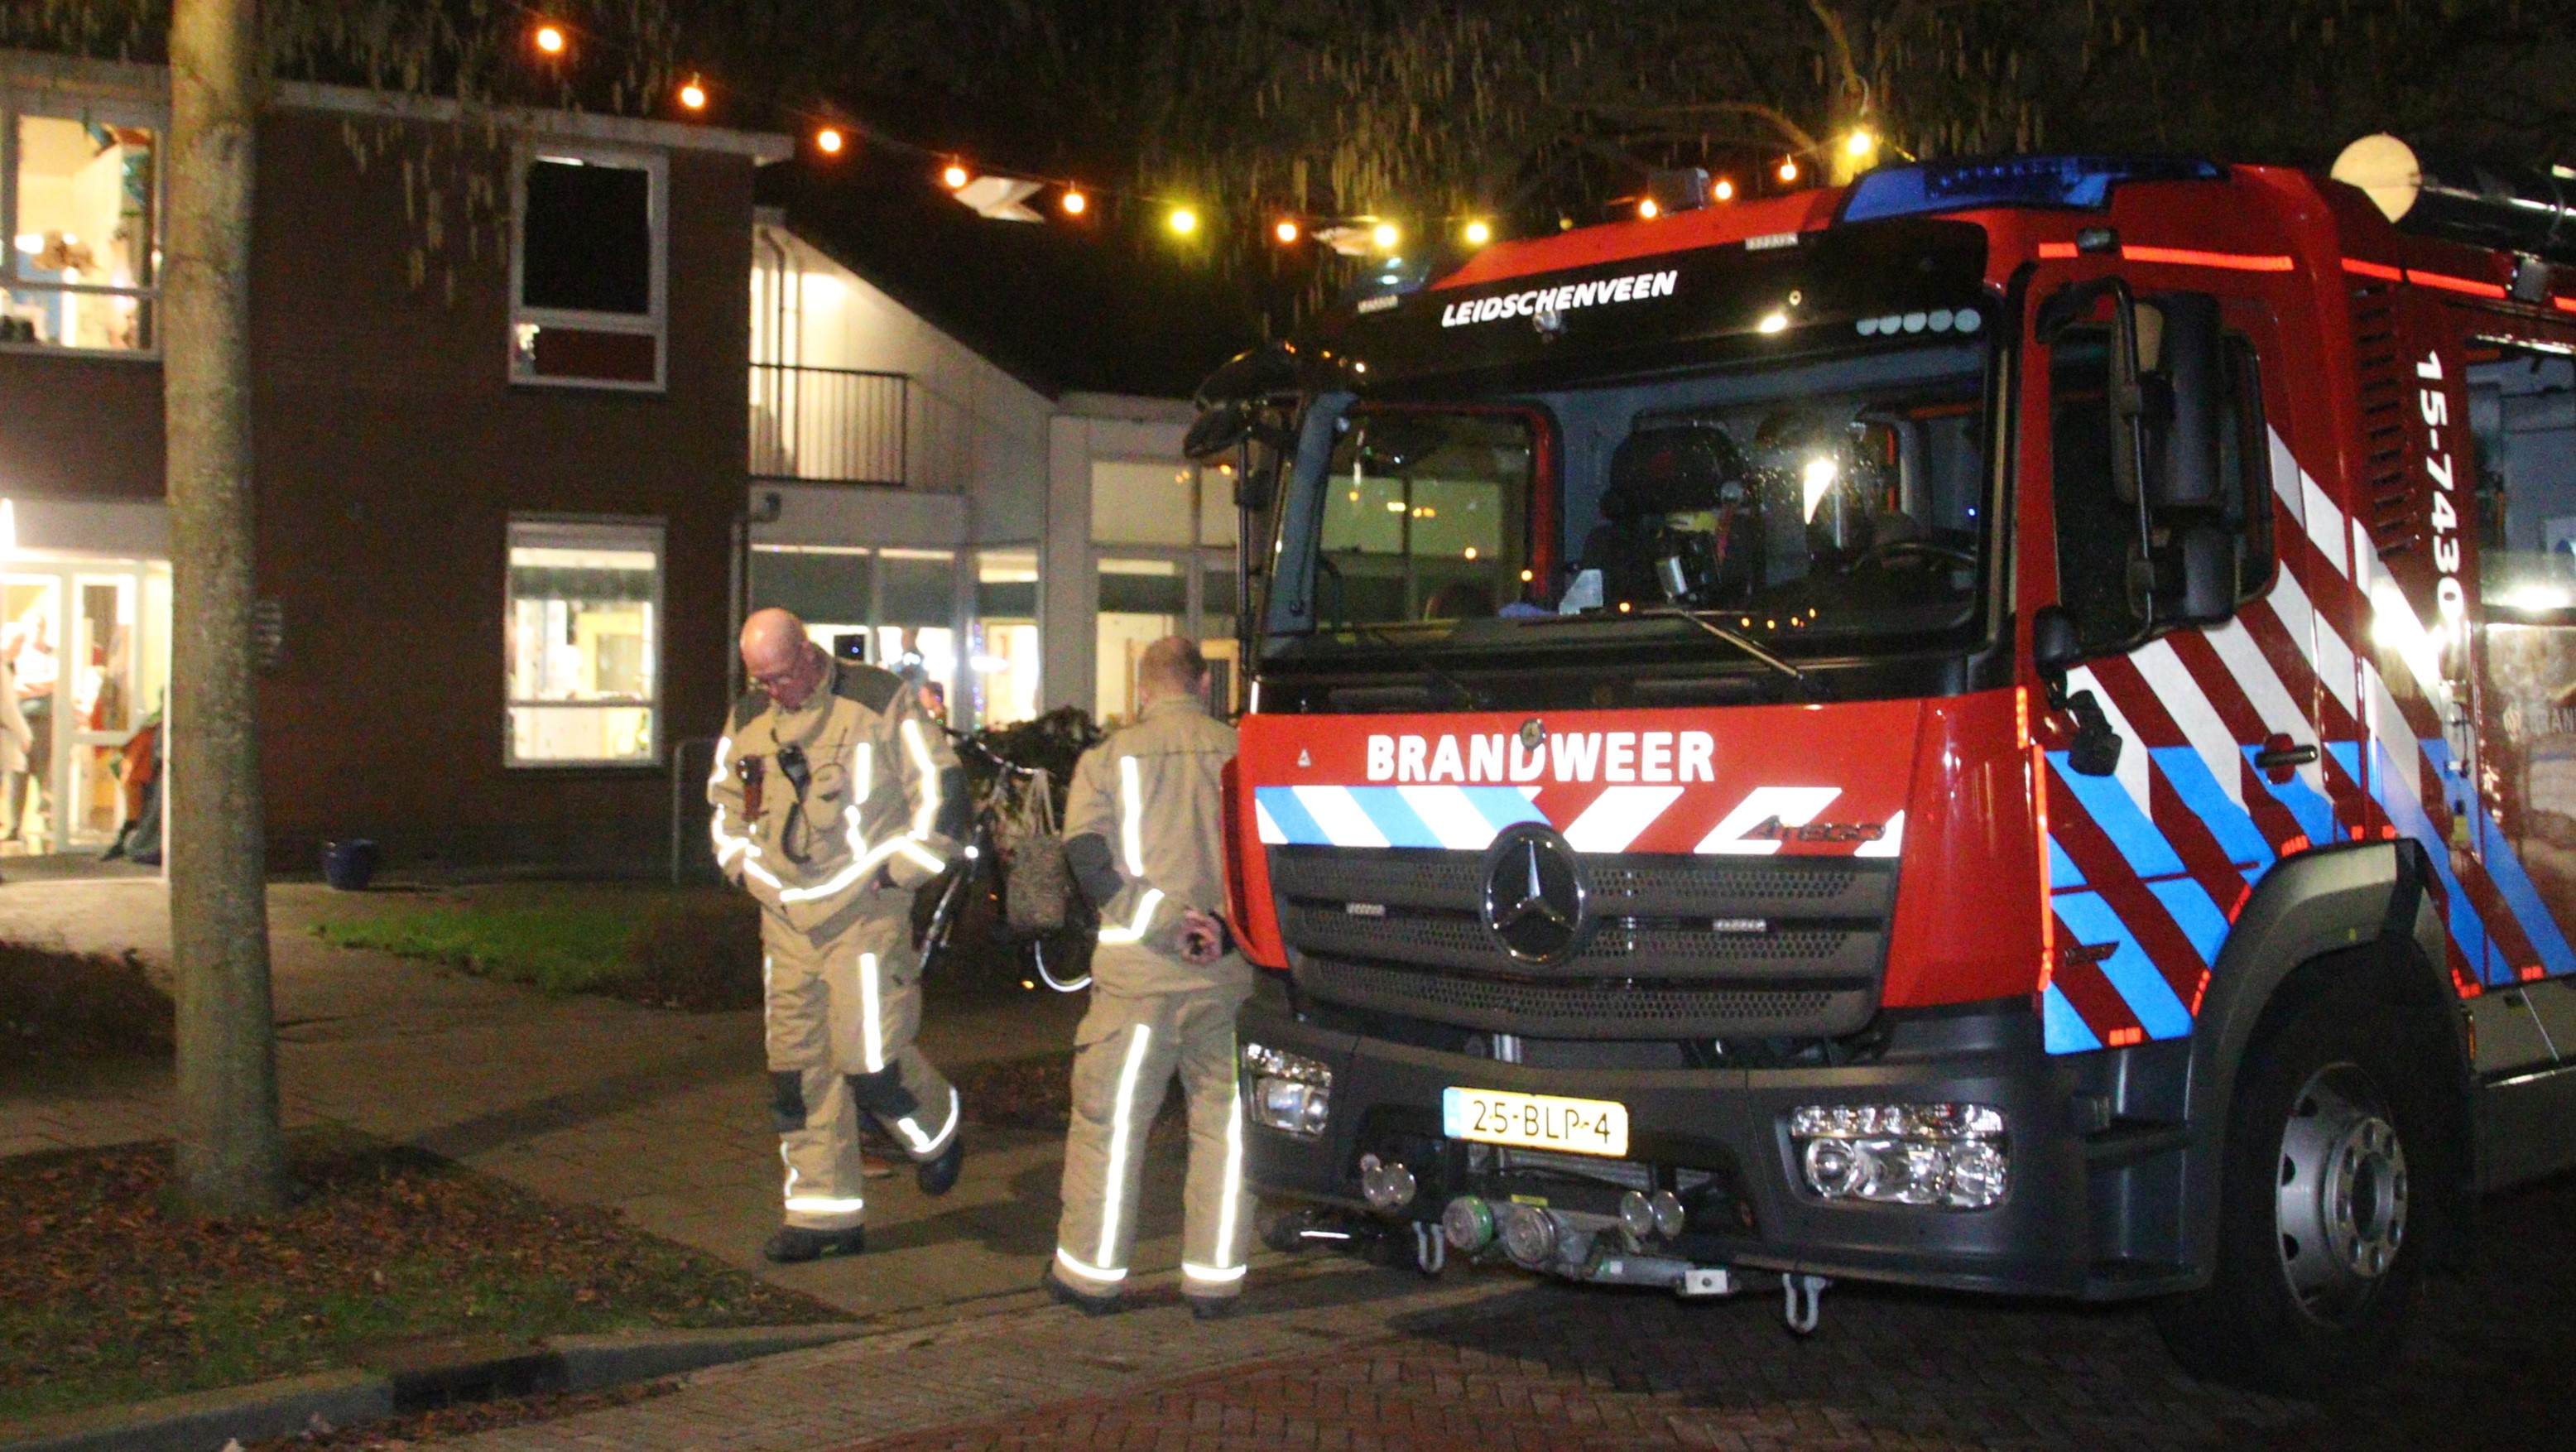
1040,885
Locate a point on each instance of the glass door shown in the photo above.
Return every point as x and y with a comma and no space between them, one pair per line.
87,658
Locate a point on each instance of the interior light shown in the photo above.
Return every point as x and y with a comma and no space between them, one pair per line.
550,39
1818,482
1184,221
1724,191
1478,234
1788,168
1860,143
1775,323
1648,211
1385,235
1074,202
828,141
956,176
1286,231
693,95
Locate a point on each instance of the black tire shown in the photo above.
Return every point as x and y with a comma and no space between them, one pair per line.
2321,1235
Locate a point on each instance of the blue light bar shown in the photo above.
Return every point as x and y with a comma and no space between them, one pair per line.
2083,182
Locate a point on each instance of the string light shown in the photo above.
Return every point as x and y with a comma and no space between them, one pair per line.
1788,168
550,39
1074,202
694,95
1725,190
1479,233
955,176
828,141
1184,221
1286,231
1648,211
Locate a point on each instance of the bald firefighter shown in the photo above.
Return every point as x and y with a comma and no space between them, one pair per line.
835,798
1143,833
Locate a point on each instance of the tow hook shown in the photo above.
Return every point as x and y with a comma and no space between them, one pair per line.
1430,1247
1802,1300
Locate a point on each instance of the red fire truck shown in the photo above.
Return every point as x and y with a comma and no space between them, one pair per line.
2009,727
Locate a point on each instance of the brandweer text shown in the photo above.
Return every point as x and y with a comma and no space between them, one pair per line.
1610,756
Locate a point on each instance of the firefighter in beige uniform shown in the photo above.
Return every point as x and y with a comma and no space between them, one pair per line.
1143,830
835,797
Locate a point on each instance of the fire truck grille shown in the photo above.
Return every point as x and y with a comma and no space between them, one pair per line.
1590,1010
1672,947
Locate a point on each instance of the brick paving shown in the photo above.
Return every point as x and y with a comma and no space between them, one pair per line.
1330,1354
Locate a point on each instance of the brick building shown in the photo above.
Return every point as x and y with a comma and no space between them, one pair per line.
501,461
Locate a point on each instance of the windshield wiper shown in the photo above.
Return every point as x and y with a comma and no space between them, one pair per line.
1812,686
1414,658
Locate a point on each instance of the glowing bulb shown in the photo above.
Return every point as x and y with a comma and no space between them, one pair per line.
1818,482
1395,506
693,95
1648,211
828,141
1526,577
550,39
1725,190
1788,168
1074,202
1184,221
1286,231
1774,323
1471,552
1860,143
1478,234
1385,235
955,176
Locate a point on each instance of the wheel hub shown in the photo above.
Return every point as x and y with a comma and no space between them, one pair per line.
2342,1193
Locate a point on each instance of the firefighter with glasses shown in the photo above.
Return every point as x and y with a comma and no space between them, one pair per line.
1143,834
835,798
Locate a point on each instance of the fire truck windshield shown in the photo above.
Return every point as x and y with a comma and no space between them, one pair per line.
1838,497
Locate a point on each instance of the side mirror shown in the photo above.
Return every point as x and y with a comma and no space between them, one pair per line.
2055,649
1217,430
2182,446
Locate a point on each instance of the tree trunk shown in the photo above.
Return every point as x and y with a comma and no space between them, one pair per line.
232,1157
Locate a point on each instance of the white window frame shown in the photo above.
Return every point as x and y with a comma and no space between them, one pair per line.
45,105
655,323
605,525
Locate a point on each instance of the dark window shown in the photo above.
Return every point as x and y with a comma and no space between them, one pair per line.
2097,532
587,243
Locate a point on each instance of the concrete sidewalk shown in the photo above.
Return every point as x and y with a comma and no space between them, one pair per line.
662,1116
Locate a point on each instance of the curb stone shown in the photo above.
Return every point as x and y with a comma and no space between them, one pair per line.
415,1379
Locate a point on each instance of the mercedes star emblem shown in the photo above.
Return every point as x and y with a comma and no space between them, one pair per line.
1534,895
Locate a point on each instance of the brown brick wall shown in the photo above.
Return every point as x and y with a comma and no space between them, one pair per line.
391,452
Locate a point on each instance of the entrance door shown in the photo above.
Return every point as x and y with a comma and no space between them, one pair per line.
87,646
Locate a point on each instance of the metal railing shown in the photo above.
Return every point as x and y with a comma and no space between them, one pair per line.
830,425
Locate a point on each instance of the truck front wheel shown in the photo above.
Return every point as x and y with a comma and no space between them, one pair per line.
2318,1254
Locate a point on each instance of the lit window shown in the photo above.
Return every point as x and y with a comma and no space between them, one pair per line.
81,197
1005,663
582,643
588,275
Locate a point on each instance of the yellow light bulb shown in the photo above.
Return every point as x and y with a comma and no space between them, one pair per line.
1725,191
1788,168
1184,221
1386,235
828,141
550,39
1648,211
1861,143
694,96
955,176
1478,234
1286,231
1074,202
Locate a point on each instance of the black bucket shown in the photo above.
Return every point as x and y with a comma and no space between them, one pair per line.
349,864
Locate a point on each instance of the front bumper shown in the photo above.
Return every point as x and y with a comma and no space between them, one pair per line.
1719,1136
